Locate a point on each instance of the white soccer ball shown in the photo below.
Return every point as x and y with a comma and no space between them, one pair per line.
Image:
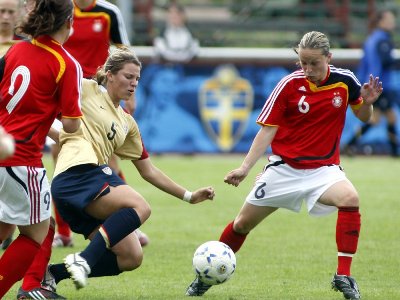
214,262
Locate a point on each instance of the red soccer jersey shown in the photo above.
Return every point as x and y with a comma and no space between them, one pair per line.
310,118
39,80
93,30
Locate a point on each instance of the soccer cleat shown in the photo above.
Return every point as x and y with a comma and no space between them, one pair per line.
347,285
78,268
38,293
48,282
143,238
197,288
62,241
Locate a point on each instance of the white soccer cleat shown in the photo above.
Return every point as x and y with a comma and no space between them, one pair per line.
78,269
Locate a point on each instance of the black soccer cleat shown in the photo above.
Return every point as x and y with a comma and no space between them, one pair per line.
347,285
38,293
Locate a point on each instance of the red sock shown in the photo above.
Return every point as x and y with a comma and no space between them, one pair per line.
232,238
62,226
15,261
347,232
34,275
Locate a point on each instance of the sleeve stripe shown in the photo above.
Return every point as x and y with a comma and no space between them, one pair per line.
121,24
68,117
266,110
56,54
345,72
79,77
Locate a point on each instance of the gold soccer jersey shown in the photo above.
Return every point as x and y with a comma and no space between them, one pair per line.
105,130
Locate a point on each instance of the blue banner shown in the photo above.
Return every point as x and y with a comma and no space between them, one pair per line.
212,109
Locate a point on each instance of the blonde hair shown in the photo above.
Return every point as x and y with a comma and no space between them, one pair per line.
314,40
116,60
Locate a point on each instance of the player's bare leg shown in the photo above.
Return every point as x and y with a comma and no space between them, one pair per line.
344,196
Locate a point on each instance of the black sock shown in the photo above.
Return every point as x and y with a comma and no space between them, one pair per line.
360,133
59,272
114,229
107,265
392,139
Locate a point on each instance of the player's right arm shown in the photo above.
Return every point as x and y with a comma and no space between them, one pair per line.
159,179
260,144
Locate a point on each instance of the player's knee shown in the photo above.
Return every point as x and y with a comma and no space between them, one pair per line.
131,261
144,211
241,226
350,199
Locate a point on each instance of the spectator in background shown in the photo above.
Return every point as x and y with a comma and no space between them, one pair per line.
9,16
378,60
98,24
176,43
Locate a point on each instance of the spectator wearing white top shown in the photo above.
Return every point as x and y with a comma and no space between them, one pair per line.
176,43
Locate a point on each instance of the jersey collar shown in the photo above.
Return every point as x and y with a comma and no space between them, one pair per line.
327,76
44,39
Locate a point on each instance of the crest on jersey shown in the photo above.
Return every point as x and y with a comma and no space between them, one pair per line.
337,100
107,170
225,104
97,26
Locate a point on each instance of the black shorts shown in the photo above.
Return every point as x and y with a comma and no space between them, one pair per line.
73,189
385,101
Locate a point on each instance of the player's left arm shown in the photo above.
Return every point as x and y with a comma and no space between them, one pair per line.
370,92
159,179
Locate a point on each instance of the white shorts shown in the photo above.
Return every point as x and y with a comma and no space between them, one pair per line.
56,125
282,186
24,195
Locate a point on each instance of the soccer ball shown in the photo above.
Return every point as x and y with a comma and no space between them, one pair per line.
214,262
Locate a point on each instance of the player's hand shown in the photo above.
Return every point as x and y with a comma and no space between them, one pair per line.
370,91
235,177
202,194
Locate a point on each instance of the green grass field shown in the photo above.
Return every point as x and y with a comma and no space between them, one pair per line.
289,256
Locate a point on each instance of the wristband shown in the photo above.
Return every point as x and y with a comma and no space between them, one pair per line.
187,196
